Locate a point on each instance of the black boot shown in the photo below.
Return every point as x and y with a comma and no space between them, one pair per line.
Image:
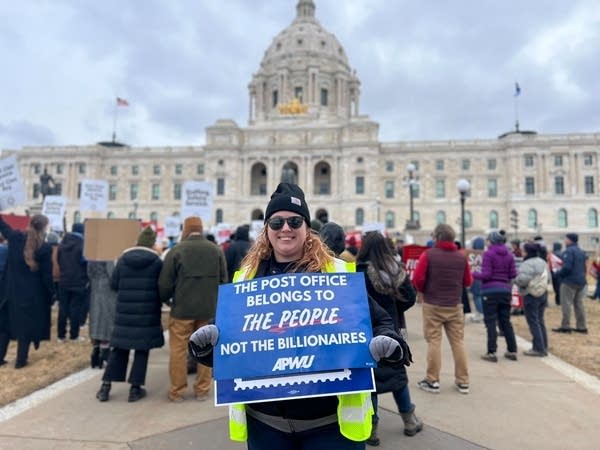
103,359
373,439
136,393
95,358
102,394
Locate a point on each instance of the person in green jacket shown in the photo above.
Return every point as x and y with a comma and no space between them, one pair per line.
191,274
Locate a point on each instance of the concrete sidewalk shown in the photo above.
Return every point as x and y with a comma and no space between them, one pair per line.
526,404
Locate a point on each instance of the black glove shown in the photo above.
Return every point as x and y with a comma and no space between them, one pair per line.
406,353
202,341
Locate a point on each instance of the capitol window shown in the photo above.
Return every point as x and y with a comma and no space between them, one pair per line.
178,169
275,98
493,219
389,189
177,191
389,166
593,218
563,220
532,218
112,192
220,186
466,164
529,185
135,170
440,188
390,219
492,189
439,164
82,168
589,184
219,216
156,169
60,168
155,191
133,191
588,159
491,164
528,160
324,97
440,217
558,160
559,185
359,184
200,169
298,93
468,219
37,169
113,170
359,216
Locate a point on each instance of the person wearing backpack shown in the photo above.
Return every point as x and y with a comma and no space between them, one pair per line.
532,280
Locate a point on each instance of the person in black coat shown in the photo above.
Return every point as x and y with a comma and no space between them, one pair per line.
237,250
138,316
390,287
72,285
27,288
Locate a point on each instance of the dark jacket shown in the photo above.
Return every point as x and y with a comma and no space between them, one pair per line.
441,274
394,298
191,275
28,294
573,271
497,270
313,408
73,267
237,250
137,318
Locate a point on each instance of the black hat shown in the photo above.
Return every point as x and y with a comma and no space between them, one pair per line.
573,237
288,197
333,236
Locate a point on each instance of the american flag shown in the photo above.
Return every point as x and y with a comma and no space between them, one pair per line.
122,102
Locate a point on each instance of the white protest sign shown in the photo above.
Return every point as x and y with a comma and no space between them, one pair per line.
12,189
196,200
172,226
54,208
94,195
256,227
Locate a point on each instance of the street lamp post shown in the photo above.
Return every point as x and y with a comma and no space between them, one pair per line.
411,224
463,187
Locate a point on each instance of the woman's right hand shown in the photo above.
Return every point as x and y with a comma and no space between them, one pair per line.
203,340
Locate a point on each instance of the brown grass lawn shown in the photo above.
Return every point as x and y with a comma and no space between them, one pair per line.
50,363
54,361
581,350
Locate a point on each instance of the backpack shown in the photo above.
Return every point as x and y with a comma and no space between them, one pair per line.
538,285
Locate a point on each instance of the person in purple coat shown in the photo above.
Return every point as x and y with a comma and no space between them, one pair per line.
497,272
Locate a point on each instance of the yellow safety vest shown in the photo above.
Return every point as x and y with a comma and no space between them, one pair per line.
354,410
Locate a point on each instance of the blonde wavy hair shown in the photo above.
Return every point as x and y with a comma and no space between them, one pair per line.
315,256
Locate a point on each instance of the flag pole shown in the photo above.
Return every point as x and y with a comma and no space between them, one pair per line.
517,95
114,133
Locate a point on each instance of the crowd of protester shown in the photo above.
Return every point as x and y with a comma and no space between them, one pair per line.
123,301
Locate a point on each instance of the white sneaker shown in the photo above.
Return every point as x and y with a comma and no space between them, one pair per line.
60,340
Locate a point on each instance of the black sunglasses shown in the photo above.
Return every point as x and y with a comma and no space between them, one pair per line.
276,223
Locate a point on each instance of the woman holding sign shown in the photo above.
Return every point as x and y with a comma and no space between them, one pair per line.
331,422
389,285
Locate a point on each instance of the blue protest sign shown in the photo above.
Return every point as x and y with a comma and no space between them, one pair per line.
292,323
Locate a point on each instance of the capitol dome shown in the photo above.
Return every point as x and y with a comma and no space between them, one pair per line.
304,73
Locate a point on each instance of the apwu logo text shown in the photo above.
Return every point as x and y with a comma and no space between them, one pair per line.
297,362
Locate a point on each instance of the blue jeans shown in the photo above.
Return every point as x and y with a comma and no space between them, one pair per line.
496,310
478,299
402,398
263,437
534,313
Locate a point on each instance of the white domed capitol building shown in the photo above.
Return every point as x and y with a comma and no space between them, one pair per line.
305,125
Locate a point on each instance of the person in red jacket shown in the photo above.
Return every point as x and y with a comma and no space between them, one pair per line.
440,276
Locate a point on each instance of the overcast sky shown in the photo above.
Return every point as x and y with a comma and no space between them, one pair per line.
430,70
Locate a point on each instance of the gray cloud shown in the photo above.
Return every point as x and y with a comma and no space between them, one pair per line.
429,70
